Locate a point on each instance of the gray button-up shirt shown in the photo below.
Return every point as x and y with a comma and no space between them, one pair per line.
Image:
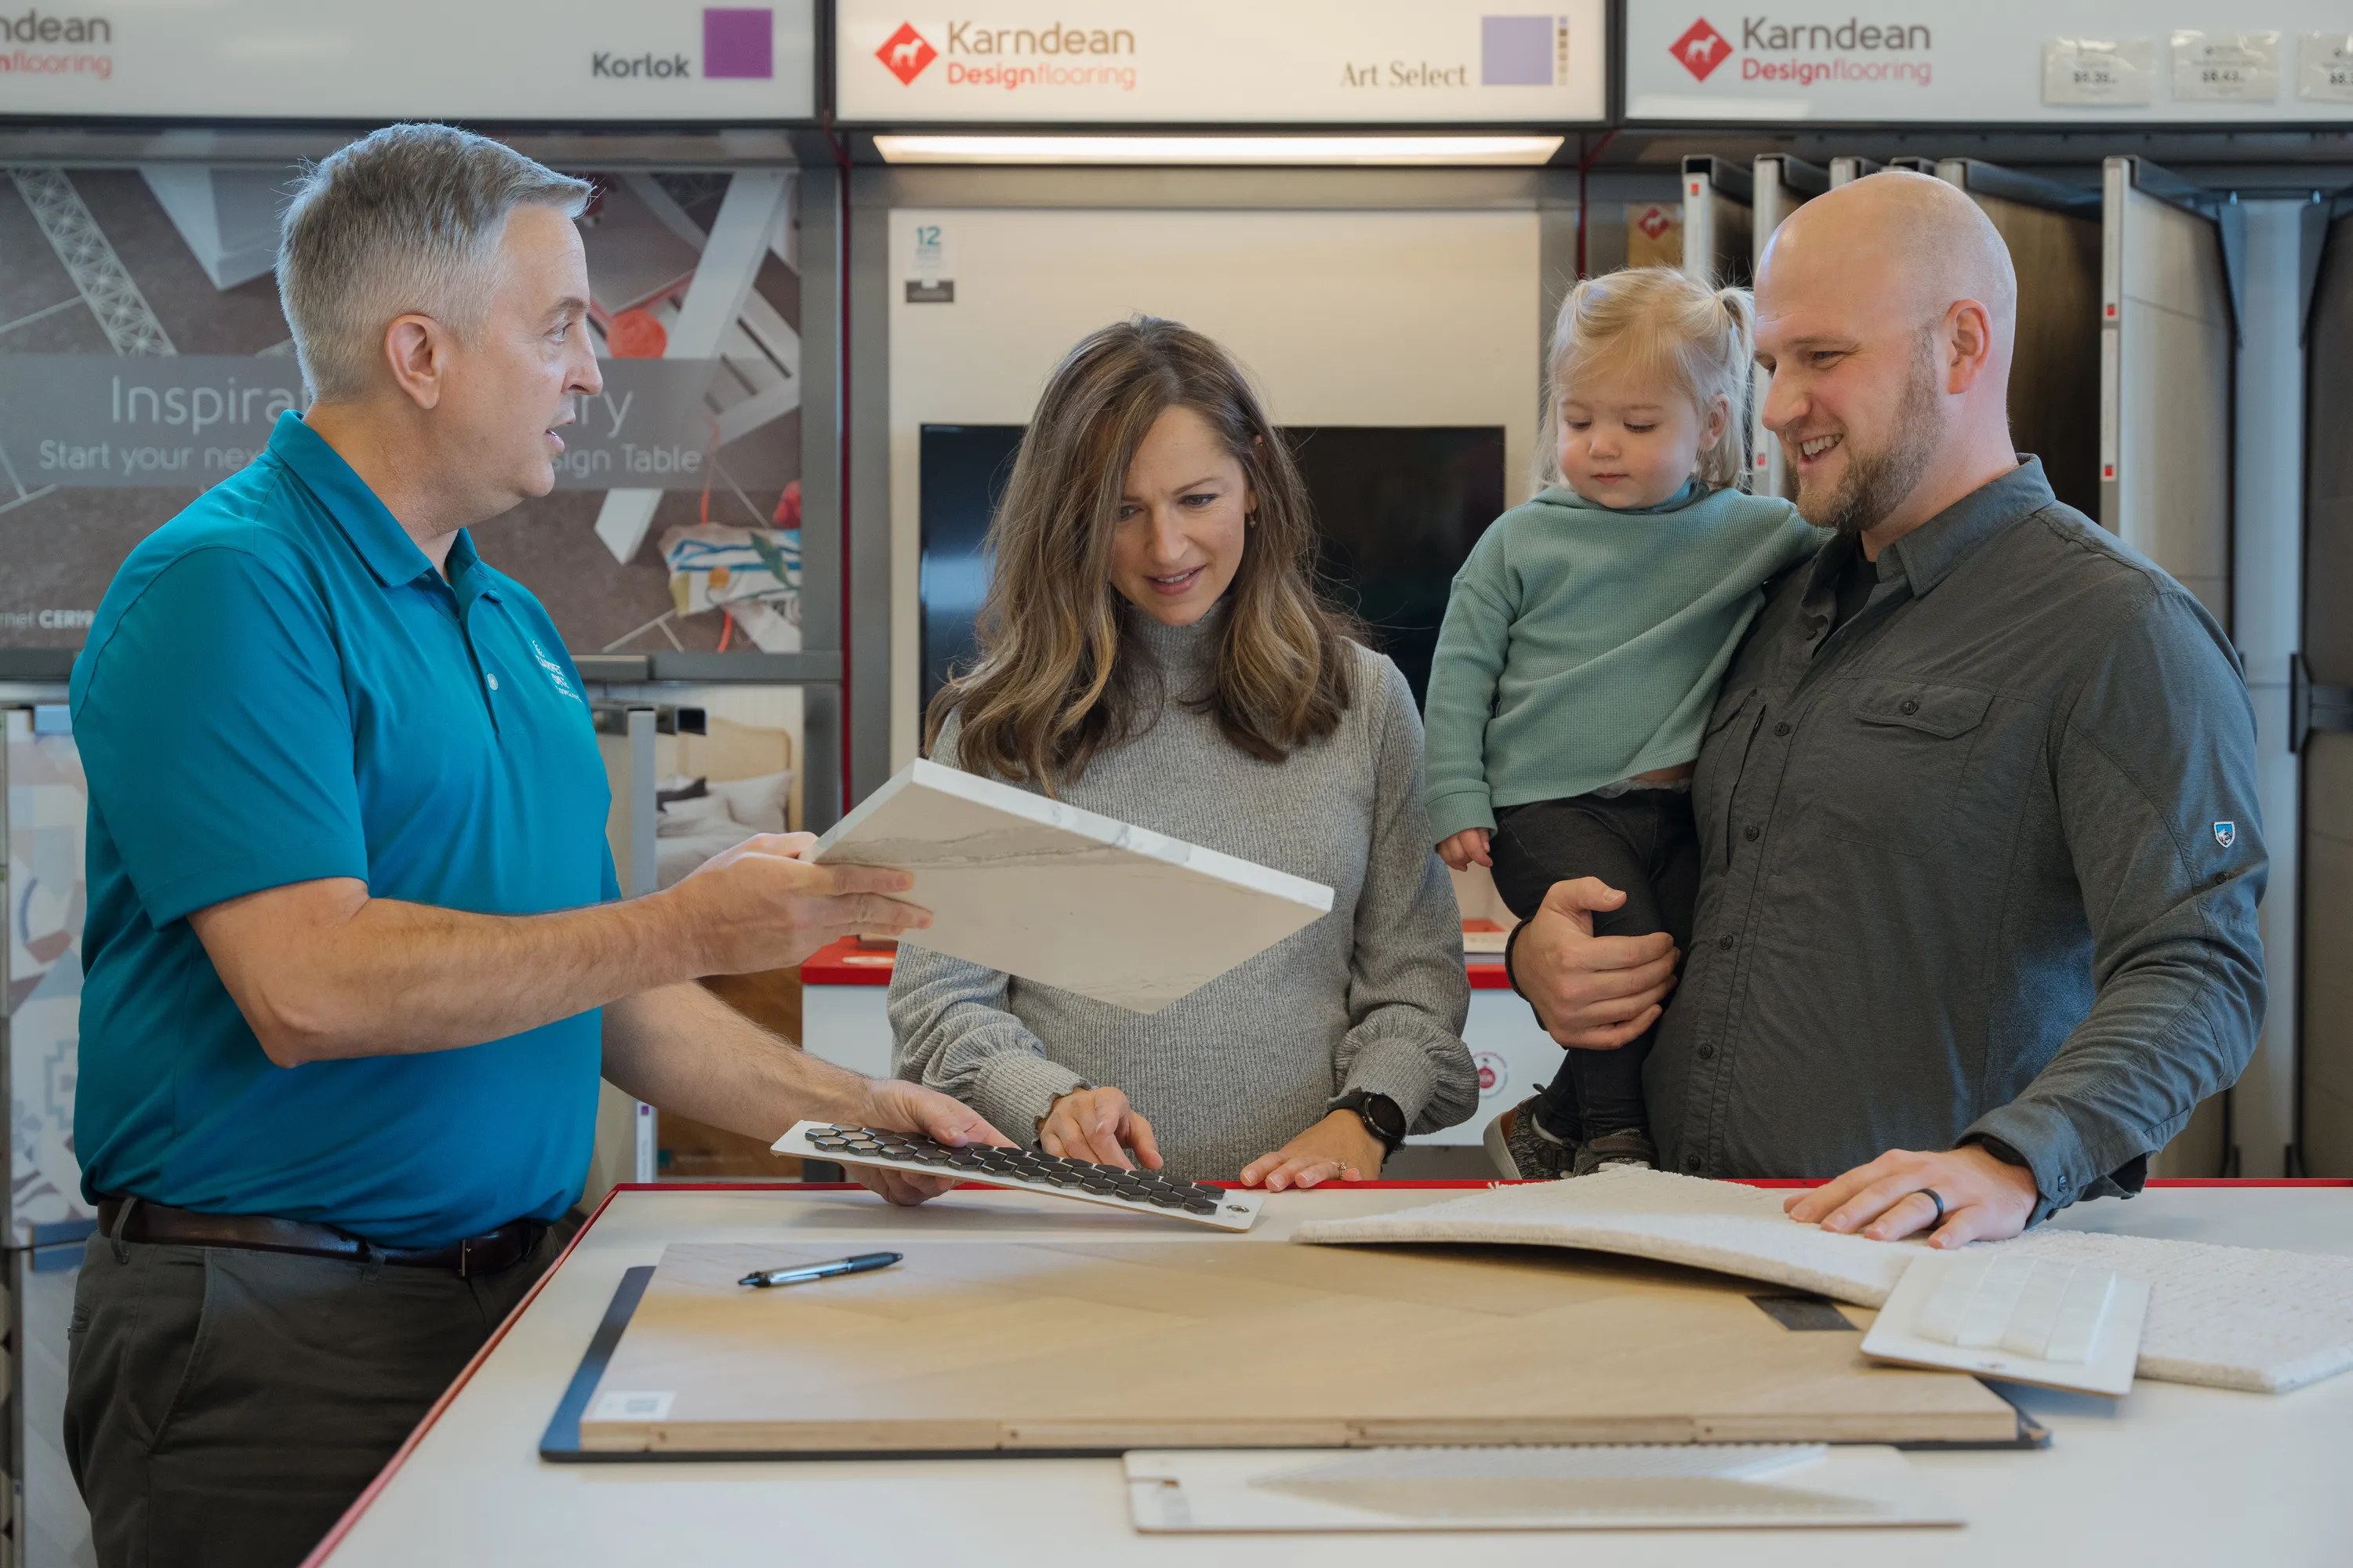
1981,862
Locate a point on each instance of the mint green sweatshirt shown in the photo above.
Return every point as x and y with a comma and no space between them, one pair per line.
1582,645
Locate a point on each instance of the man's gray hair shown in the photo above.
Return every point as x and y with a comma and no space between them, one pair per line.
406,219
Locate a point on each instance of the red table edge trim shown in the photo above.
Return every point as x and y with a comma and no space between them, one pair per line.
334,1537
843,962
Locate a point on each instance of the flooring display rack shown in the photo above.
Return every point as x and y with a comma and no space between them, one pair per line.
2321,691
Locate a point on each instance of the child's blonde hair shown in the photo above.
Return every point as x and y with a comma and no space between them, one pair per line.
1657,321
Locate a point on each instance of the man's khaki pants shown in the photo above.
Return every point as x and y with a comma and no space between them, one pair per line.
222,1407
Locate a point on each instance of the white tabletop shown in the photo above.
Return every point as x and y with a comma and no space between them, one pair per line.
2169,1474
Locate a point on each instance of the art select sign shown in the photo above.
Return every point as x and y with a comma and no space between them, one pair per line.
590,60
1994,61
1331,62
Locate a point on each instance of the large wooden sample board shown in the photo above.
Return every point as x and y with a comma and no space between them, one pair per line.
1104,1346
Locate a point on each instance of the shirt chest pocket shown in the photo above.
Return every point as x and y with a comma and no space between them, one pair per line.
1896,751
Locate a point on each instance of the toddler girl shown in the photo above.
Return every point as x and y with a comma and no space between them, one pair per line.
1581,649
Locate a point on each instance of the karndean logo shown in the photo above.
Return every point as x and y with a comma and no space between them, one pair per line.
1701,49
905,53
1043,56
1848,52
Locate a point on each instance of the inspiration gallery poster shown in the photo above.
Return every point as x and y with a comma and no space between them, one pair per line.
143,359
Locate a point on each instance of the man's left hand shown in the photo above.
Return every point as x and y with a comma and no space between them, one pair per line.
898,1105
1340,1147
1985,1199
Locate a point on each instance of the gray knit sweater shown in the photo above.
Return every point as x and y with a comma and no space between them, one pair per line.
1371,996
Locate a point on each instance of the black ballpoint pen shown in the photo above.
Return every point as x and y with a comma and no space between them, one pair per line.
800,1274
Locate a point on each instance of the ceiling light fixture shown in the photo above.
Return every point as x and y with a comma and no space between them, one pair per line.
1367,151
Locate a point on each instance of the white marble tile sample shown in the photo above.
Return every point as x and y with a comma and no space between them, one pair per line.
1067,898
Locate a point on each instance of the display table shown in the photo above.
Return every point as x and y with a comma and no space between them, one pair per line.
845,1019
2169,1474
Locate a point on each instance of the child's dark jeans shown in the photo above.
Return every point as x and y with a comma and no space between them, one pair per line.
1642,843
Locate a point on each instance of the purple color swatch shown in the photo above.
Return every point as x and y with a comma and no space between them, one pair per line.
738,42
1514,51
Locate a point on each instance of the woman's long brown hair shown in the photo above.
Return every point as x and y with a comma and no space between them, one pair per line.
1060,673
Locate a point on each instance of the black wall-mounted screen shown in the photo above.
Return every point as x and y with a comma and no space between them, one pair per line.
1398,509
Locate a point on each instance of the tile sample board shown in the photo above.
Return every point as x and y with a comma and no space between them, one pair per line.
1064,897
1806,1486
2232,1317
1104,1346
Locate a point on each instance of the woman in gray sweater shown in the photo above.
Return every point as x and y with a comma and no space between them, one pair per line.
1151,649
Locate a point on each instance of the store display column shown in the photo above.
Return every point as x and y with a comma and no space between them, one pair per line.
48,805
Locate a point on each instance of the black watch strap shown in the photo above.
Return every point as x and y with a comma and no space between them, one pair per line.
1382,1117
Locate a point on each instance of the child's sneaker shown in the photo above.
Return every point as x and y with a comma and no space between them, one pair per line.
1629,1146
1523,1151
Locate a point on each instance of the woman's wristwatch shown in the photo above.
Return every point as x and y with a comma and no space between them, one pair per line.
1382,1117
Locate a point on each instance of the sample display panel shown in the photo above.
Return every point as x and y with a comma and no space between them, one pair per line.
2324,1115
143,359
2053,233
2168,365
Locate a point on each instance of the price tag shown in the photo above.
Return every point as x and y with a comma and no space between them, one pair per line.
2226,68
2325,68
2099,72
933,260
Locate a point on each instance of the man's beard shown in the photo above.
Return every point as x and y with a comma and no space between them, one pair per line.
1877,480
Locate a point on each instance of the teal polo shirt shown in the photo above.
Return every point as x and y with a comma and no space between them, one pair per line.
278,687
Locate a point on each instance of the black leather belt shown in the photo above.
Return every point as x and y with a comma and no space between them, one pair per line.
140,1220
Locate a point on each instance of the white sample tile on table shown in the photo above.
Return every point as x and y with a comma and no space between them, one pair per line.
1992,1312
1064,897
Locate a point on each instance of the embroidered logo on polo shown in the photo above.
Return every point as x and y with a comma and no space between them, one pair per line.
2226,834
554,670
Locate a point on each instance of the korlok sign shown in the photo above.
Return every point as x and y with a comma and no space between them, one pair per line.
1326,62
598,61
1996,61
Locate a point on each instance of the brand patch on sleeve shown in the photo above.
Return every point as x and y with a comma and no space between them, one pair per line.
2226,834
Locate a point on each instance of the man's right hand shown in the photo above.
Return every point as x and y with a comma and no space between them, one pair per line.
1592,992
1097,1124
902,1107
762,905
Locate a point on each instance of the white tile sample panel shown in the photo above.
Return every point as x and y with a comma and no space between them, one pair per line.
1065,897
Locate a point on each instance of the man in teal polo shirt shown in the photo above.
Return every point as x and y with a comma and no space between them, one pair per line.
355,955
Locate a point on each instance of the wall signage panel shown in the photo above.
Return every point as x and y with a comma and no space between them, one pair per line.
146,360
1998,62
594,60
1353,62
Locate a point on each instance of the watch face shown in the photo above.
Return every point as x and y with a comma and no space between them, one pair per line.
1383,1116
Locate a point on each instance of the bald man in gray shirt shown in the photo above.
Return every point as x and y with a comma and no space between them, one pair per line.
1977,809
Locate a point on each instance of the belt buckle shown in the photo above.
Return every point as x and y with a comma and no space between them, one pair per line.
466,1258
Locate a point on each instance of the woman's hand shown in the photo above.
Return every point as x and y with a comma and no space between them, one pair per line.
1466,849
1340,1146
1097,1124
